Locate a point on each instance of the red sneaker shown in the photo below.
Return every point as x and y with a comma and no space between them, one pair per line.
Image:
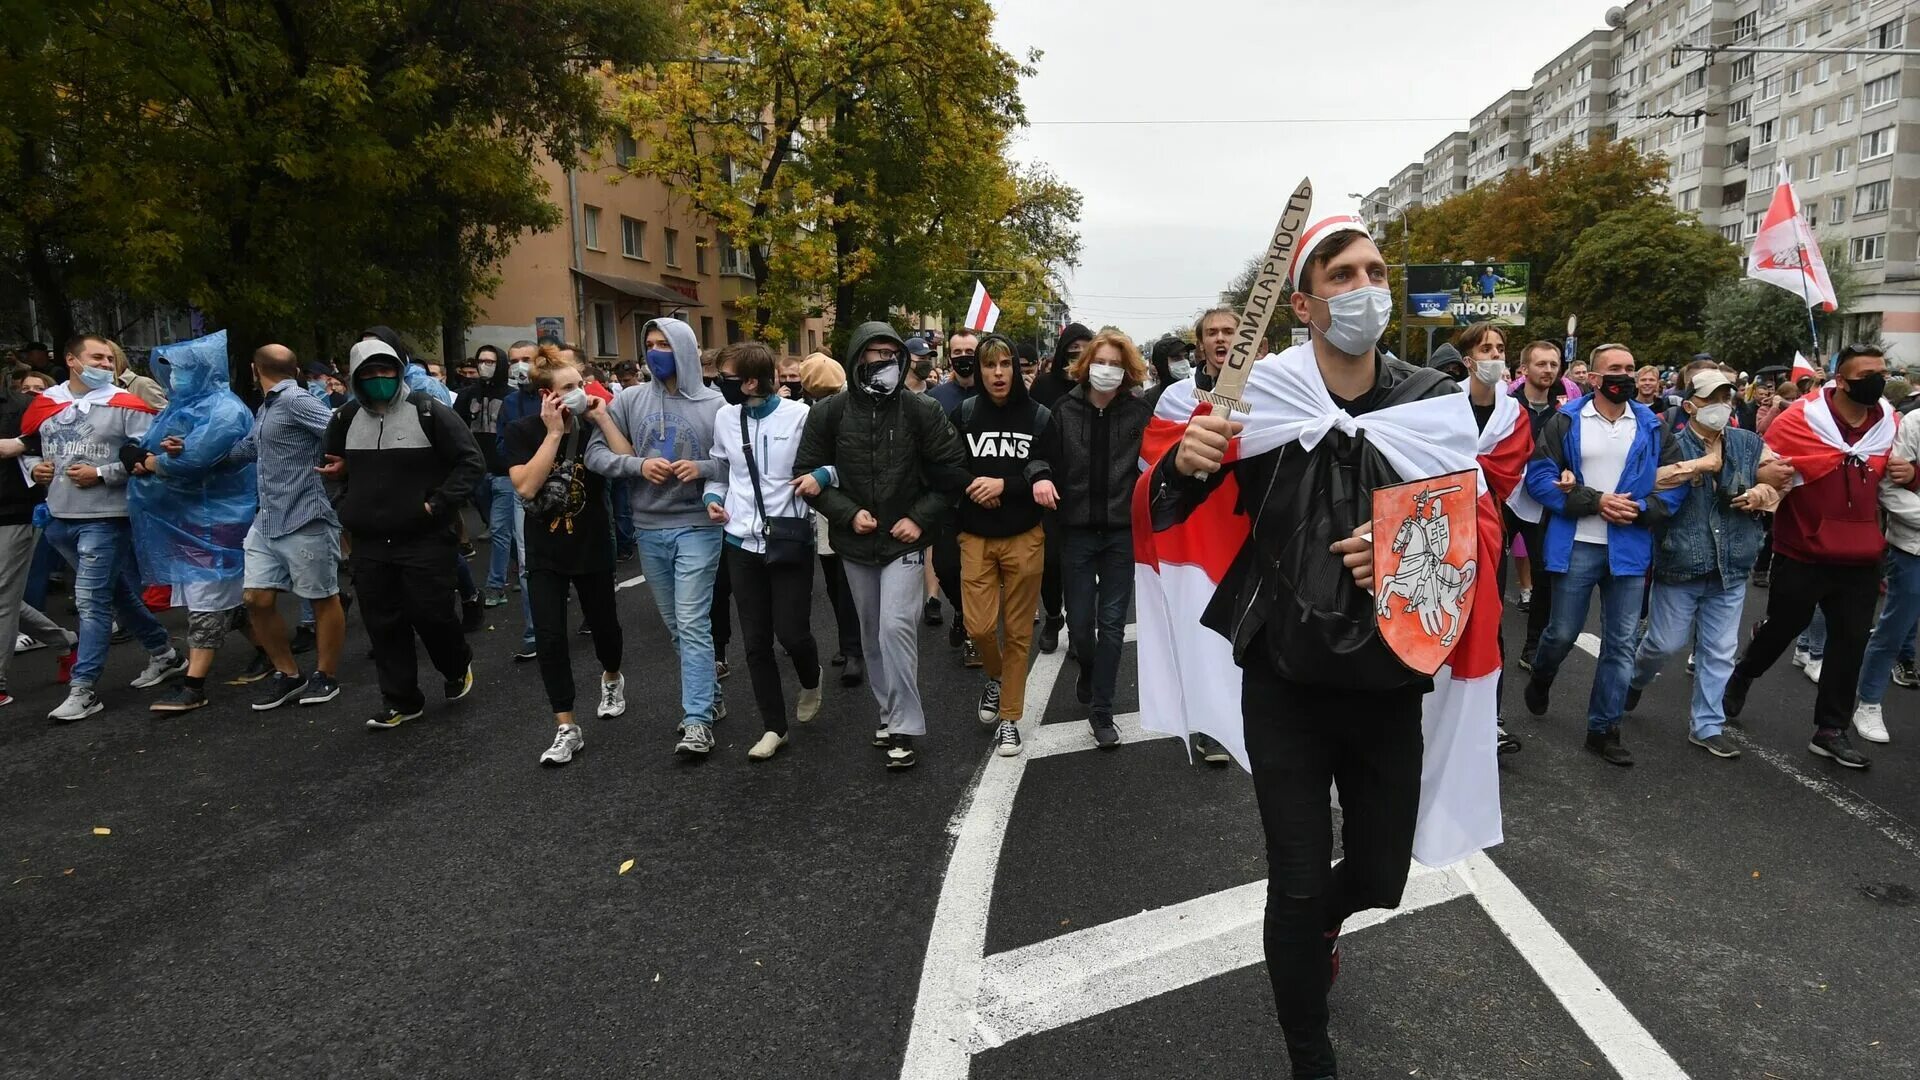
5,698
65,674
1333,957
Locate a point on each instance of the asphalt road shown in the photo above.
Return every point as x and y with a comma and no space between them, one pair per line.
289,894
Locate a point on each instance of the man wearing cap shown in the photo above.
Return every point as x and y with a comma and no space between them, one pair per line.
1328,422
1730,480
1595,470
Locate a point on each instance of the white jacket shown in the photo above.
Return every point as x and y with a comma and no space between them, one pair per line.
776,442
1903,506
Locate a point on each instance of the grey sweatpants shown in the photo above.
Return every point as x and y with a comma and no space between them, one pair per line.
889,601
16,557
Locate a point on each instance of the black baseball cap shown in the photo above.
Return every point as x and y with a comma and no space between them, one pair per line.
918,346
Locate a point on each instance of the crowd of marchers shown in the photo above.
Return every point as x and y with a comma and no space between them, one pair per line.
990,477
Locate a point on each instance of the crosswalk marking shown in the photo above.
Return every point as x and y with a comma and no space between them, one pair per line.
1067,738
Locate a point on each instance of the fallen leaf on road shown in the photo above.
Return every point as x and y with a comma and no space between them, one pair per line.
626,866
656,976
1756,875
100,831
68,872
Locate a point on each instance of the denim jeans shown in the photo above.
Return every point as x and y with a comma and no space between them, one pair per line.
680,565
44,560
501,502
526,604
99,550
1707,613
1620,595
1097,565
1814,638
625,536
1898,615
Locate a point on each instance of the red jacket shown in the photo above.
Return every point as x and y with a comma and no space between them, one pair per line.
1835,519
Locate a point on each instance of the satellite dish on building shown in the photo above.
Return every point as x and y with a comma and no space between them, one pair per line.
1616,17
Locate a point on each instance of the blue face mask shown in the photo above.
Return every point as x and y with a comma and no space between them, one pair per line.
662,363
95,377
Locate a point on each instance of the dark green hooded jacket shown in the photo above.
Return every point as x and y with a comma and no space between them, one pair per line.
895,456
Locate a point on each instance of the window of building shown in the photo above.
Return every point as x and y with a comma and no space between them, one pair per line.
1753,223
1769,87
1819,118
1865,249
606,332
633,238
1813,167
1793,126
1788,166
1846,108
1800,32
1824,70
625,148
1837,209
1884,90
700,255
590,226
1826,21
1731,232
706,330
1688,200
1888,35
1795,79
1850,61
1763,132
1738,112
673,246
1842,158
734,336
1584,75
1695,81
793,343
1876,144
1743,26
730,261
1810,213
1871,198
1688,161
1855,9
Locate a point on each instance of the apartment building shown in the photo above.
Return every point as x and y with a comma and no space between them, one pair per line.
1408,187
1444,169
1845,125
627,252
1497,141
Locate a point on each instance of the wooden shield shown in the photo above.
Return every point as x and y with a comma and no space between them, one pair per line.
1425,561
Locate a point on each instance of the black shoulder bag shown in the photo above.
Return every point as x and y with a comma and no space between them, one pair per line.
789,540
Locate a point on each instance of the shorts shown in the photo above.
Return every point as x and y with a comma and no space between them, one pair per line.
209,595
305,562
208,629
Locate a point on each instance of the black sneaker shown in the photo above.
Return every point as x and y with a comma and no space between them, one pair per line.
257,668
1505,743
321,688
990,702
1833,743
303,640
389,717
1633,698
1537,693
957,632
1083,686
900,752
969,656
473,614
839,660
1718,745
1207,749
933,611
183,698
1904,674
279,689
1104,733
1735,697
855,671
1006,739
721,670
1607,745
462,686
524,655
1050,635
1762,579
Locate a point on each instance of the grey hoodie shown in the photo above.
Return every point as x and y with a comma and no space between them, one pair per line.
90,432
677,426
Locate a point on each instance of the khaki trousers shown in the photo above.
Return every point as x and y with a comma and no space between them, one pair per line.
1001,575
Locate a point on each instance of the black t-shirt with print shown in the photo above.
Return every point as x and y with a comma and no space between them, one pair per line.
579,538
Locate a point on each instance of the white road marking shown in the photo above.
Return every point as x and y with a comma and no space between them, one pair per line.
1067,738
637,579
1627,1046
1069,978
1850,802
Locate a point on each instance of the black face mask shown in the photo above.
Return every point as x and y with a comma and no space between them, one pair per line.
964,366
1867,389
794,391
729,388
1616,388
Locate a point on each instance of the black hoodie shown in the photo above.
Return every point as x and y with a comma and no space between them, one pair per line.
1053,384
1014,441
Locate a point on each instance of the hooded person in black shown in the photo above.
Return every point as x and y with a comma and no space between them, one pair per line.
1048,388
1010,440
1170,365
478,403
1052,384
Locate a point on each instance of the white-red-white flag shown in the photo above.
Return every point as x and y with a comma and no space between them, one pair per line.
1802,369
1786,254
982,314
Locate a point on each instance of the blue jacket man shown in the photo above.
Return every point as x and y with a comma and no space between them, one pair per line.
1595,471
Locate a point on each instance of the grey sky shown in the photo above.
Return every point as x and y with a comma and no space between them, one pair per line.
1173,210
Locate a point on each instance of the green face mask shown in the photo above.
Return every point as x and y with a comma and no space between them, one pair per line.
380,388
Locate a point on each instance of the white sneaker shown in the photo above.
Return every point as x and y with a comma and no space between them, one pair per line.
27,643
81,703
1871,725
566,740
160,668
1812,671
695,740
1801,657
613,698
808,710
769,744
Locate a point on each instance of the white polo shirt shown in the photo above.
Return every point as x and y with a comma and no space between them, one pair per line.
1603,457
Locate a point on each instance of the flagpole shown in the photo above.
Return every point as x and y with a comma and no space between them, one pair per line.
1813,328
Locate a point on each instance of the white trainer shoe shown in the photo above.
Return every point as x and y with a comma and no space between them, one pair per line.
160,668
1868,721
26,643
1801,657
769,745
1812,671
808,710
81,703
567,740
613,698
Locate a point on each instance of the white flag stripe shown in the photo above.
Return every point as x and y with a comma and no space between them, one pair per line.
982,313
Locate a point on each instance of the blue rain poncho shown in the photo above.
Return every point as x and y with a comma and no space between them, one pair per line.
190,522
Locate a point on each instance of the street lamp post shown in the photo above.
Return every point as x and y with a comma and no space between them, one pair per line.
1406,260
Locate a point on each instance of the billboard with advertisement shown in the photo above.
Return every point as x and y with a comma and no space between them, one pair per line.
1456,294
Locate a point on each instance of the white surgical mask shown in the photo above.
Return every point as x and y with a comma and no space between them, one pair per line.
575,401
1105,377
517,374
96,377
1714,417
1355,320
1490,371
1180,369
883,378
487,369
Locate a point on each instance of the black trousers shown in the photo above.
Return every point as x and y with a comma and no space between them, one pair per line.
1848,596
845,618
775,601
1540,608
406,590
1052,579
721,618
547,594
1299,740
946,569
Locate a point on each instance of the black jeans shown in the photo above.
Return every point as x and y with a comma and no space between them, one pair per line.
1097,565
547,594
1848,596
1299,739
722,619
1052,593
1540,608
406,589
946,569
775,601
846,619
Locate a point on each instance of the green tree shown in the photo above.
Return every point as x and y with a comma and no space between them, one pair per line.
1751,324
1641,276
